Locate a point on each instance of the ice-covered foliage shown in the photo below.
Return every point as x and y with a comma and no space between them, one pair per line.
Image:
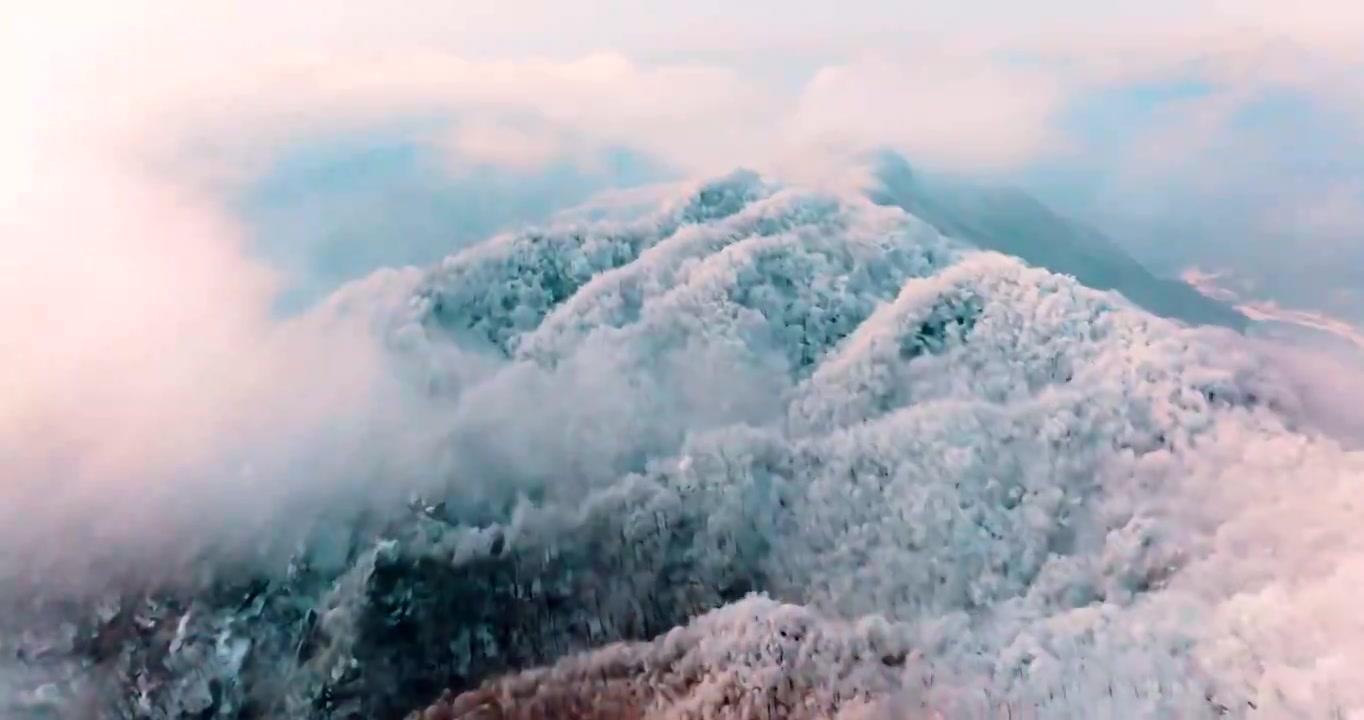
774,453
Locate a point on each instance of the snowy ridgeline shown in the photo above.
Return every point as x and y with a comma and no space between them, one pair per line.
763,452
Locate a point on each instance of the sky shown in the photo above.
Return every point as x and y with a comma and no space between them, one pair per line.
176,174
1215,133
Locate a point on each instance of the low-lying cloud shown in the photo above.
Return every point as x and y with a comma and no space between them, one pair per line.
142,355
143,368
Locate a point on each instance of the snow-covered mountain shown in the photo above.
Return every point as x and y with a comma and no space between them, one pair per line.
760,451
1011,222
337,211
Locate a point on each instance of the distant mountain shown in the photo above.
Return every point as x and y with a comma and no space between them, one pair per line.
1012,222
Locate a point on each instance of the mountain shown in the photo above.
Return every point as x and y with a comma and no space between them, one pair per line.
765,451
1009,221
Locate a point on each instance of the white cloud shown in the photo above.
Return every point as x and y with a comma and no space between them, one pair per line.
114,242
246,69
1320,22
877,423
683,114
141,360
959,111
505,145
142,363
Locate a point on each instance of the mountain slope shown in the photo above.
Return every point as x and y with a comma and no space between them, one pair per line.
768,452
1013,223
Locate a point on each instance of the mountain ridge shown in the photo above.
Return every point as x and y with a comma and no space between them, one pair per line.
1010,221
763,449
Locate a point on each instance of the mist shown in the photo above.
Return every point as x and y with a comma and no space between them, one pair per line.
236,330
145,371
143,340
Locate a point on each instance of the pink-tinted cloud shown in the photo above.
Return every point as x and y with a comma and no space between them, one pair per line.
138,342
954,110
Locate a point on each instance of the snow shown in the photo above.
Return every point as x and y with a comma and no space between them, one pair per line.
955,481
1040,488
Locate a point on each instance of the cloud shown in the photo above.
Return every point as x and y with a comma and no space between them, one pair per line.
1240,151
154,408
1321,356
960,111
703,119
754,386
680,114
159,350
202,72
144,367
504,145
1320,21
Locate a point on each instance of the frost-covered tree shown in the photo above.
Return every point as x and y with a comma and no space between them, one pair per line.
768,452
